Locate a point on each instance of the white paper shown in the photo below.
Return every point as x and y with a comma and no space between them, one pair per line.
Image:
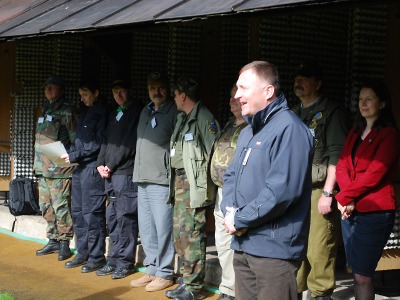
54,151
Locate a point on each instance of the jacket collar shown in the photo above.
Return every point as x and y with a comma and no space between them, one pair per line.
261,118
55,105
192,114
164,108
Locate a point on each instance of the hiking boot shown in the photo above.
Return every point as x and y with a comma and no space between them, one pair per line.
105,270
65,252
172,293
52,246
142,281
188,295
92,266
121,273
159,284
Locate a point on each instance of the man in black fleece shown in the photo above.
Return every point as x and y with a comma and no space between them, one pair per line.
115,164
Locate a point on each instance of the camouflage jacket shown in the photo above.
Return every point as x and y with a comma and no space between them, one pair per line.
57,123
224,150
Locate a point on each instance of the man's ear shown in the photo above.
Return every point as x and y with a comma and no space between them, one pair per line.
319,84
269,92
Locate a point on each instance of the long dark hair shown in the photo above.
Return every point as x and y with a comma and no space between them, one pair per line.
385,117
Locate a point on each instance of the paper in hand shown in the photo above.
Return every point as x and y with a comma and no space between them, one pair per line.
54,151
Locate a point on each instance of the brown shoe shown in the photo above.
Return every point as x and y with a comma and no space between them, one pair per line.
142,281
159,284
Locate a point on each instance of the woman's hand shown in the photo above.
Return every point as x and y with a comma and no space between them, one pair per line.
346,210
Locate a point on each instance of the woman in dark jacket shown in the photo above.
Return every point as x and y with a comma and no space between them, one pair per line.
365,173
88,196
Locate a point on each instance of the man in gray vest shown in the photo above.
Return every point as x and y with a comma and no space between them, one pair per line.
156,124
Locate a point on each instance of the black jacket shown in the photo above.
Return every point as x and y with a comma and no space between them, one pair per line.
119,145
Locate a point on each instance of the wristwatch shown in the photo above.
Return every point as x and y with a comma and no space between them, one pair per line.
327,194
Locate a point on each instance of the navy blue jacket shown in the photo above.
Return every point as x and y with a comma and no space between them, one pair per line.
89,135
269,181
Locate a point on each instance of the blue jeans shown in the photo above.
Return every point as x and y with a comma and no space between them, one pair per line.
155,227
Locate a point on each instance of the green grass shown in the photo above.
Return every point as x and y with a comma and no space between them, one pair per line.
6,296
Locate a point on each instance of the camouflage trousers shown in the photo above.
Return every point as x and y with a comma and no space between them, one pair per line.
189,236
55,202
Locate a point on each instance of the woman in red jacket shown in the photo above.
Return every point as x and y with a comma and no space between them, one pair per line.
365,173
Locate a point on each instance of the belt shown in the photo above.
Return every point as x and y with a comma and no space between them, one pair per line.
180,172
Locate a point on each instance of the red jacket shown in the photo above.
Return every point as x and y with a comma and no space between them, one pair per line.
370,180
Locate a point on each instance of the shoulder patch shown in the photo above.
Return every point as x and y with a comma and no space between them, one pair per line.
212,127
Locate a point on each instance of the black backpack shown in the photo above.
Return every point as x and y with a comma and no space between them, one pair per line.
23,198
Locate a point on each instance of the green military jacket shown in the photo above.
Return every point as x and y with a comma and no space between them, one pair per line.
197,138
57,123
328,123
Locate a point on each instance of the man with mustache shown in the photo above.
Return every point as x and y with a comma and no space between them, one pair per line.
156,124
326,120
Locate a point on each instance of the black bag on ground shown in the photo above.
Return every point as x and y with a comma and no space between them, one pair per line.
23,198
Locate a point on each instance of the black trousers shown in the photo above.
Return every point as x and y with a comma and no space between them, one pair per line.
88,213
122,220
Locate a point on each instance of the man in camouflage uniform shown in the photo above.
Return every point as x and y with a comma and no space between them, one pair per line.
191,189
224,152
56,123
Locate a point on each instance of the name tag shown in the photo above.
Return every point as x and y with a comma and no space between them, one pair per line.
119,115
49,118
40,120
153,122
246,157
189,137
172,154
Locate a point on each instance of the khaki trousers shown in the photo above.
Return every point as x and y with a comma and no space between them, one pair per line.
317,272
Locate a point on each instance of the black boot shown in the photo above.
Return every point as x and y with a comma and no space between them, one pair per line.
65,252
175,292
52,246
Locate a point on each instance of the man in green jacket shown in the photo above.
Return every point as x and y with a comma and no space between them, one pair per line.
191,189
326,120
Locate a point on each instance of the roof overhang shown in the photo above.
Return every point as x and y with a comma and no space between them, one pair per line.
25,18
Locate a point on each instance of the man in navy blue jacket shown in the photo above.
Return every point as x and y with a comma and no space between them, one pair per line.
267,188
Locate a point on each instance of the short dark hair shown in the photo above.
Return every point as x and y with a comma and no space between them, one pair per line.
90,85
267,71
187,85
386,117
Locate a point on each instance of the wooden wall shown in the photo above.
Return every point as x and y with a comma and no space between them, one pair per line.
7,89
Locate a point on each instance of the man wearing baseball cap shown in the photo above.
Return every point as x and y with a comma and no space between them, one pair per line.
57,123
115,163
326,120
